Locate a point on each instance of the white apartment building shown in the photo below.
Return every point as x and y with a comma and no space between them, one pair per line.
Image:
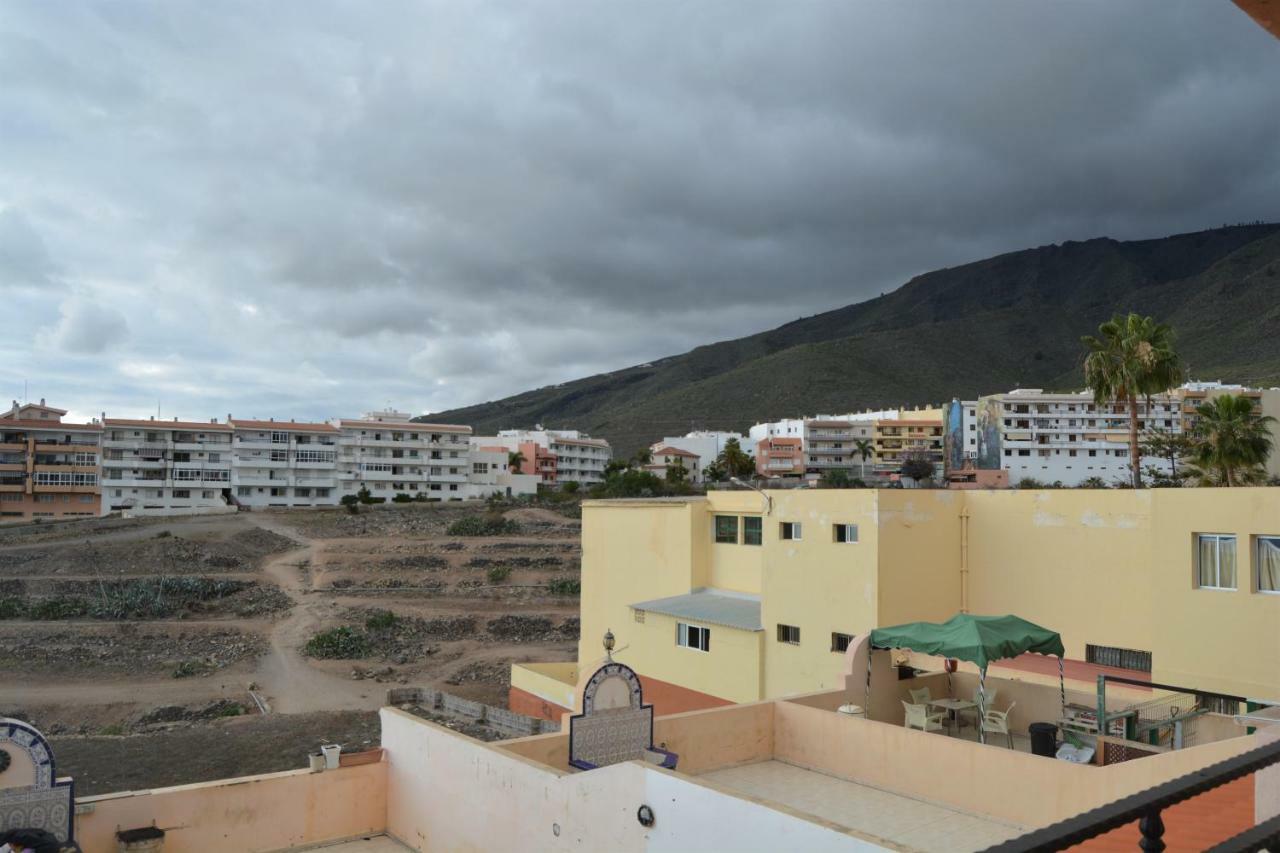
707,445
155,467
388,454
1063,438
284,463
578,457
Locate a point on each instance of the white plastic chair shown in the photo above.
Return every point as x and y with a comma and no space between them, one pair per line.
918,717
997,722
992,692
921,696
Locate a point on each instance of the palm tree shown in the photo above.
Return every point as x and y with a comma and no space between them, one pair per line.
515,461
643,457
865,448
1232,442
1132,357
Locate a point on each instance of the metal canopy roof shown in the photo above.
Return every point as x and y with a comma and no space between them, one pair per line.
712,606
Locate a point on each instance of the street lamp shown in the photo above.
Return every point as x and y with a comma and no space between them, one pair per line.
768,501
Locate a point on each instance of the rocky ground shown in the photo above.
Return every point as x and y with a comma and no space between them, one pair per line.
154,633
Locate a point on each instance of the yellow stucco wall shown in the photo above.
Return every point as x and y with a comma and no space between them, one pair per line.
816,584
730,670
635,551
1227,641
1075,560
1104,567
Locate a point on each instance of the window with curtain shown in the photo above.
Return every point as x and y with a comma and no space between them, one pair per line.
1216,561
1268,560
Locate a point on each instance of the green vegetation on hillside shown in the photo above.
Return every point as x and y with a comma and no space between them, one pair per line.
980,328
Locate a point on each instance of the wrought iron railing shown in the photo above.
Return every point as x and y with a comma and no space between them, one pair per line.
1147,806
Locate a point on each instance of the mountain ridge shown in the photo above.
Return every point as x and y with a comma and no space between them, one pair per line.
981,327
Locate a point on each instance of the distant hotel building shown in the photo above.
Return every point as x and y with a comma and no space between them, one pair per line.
48,469
388,454
166,467
284,463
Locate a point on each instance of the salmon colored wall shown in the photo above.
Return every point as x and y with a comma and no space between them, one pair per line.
522,702
272,812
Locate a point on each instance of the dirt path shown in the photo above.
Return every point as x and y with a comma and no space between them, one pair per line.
284,676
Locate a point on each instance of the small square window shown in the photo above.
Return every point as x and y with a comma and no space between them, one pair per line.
693,637
727,529
846,533
1215,561
789,530
752,530
789,634
840,642
639,616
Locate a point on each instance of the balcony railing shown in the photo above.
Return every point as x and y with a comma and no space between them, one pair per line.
1146,807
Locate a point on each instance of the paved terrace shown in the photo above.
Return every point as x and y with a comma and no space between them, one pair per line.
911,823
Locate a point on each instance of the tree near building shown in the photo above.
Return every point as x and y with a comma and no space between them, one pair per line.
515,461
835,478
1231,442
735,461
643,457
1172,447
864,449
676,472
714,472
1131,357
917,465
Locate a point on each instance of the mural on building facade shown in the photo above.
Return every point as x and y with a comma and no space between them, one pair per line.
988,415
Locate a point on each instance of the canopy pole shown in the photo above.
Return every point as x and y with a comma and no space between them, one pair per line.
982,705
1062,687
866,706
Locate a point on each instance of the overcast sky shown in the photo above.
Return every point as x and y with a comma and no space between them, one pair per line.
308,209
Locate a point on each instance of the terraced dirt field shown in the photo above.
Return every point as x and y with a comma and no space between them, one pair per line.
105,624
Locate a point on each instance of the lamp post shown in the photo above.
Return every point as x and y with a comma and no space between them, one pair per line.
768,501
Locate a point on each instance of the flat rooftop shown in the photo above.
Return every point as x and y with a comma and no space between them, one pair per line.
904,821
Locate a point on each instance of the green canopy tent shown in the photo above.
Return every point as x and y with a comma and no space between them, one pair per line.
977,639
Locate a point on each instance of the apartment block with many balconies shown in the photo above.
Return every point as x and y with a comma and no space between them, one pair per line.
284,463
917,433
48,469
388,454
155,467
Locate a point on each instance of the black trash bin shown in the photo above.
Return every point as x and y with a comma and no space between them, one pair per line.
1044,739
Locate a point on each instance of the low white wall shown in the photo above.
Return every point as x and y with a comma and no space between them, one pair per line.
446,791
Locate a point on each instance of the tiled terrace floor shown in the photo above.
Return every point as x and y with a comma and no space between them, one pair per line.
373,844
912,823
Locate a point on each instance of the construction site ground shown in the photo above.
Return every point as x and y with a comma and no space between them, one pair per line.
157,639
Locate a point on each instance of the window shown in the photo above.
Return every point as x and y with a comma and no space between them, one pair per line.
279,438
840,642
789,634
847,533
314,455
752,530
693,637
727,529
279,456
182,493
639,616
480,467
1267,561
322,493
789,530
1121,658
1216,561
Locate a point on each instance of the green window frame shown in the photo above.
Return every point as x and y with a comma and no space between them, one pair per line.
726,529
752,530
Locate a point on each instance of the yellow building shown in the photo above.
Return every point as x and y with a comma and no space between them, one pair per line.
739,596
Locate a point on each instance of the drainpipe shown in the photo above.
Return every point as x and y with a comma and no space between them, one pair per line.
964,560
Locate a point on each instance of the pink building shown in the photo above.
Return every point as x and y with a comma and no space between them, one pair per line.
780,457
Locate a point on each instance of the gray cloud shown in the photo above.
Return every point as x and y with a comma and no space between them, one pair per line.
309,209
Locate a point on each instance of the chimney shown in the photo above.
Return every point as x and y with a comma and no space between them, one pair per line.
42,401
228,417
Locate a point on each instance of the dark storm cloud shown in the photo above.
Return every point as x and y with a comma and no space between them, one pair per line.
307,209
